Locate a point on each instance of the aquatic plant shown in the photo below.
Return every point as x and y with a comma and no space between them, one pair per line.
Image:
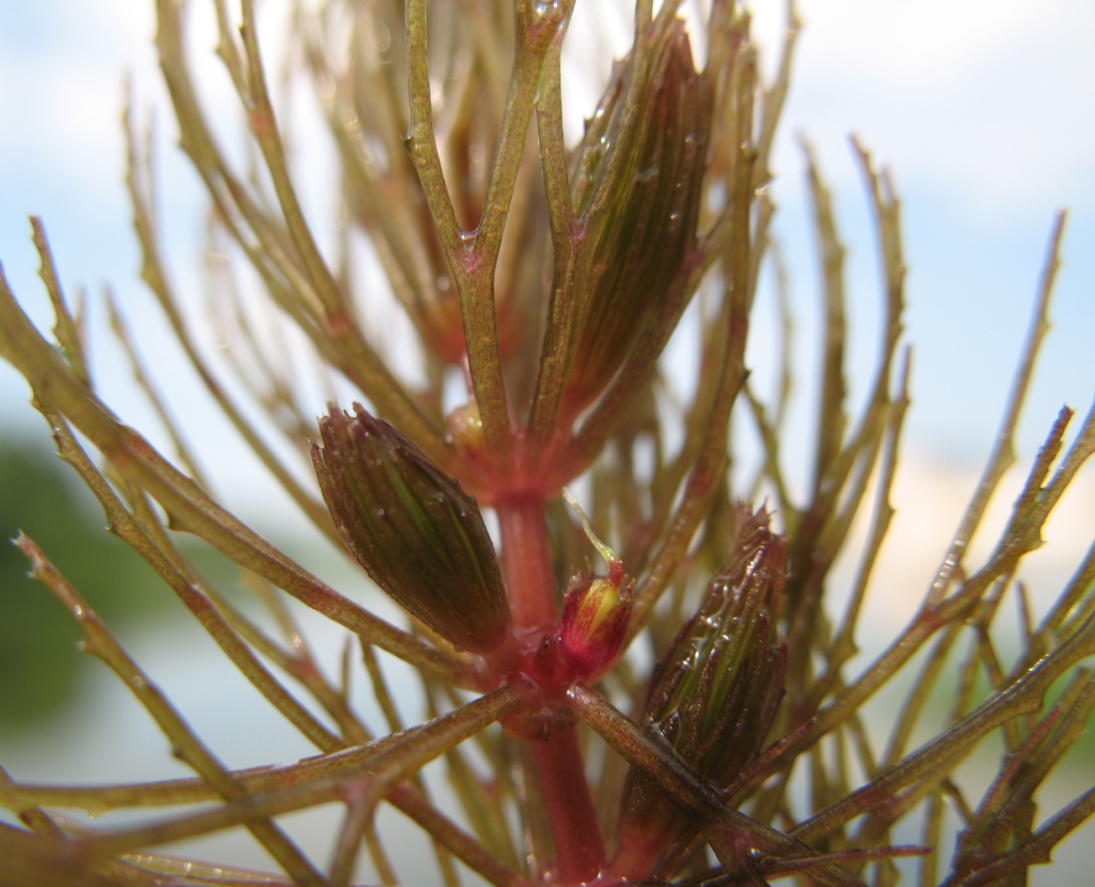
685,711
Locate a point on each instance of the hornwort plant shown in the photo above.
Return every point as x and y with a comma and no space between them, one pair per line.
673,704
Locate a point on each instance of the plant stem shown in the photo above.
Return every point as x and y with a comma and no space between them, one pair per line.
579,847
526,563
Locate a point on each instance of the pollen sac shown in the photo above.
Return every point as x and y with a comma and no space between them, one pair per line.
715,693
638,186
596,611
415,531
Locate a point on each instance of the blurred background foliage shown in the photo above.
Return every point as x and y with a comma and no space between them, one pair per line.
40,660
38,639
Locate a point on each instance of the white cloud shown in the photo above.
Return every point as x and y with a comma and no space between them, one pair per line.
988,101
63,71
930,498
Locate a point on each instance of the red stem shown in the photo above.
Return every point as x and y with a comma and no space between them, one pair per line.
530,586
526,561
579,847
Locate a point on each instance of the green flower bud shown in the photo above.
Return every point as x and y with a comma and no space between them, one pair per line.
415,531
714,695
642,212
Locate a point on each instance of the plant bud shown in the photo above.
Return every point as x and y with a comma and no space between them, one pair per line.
644,211
714,695
465,428
415,531
596,611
